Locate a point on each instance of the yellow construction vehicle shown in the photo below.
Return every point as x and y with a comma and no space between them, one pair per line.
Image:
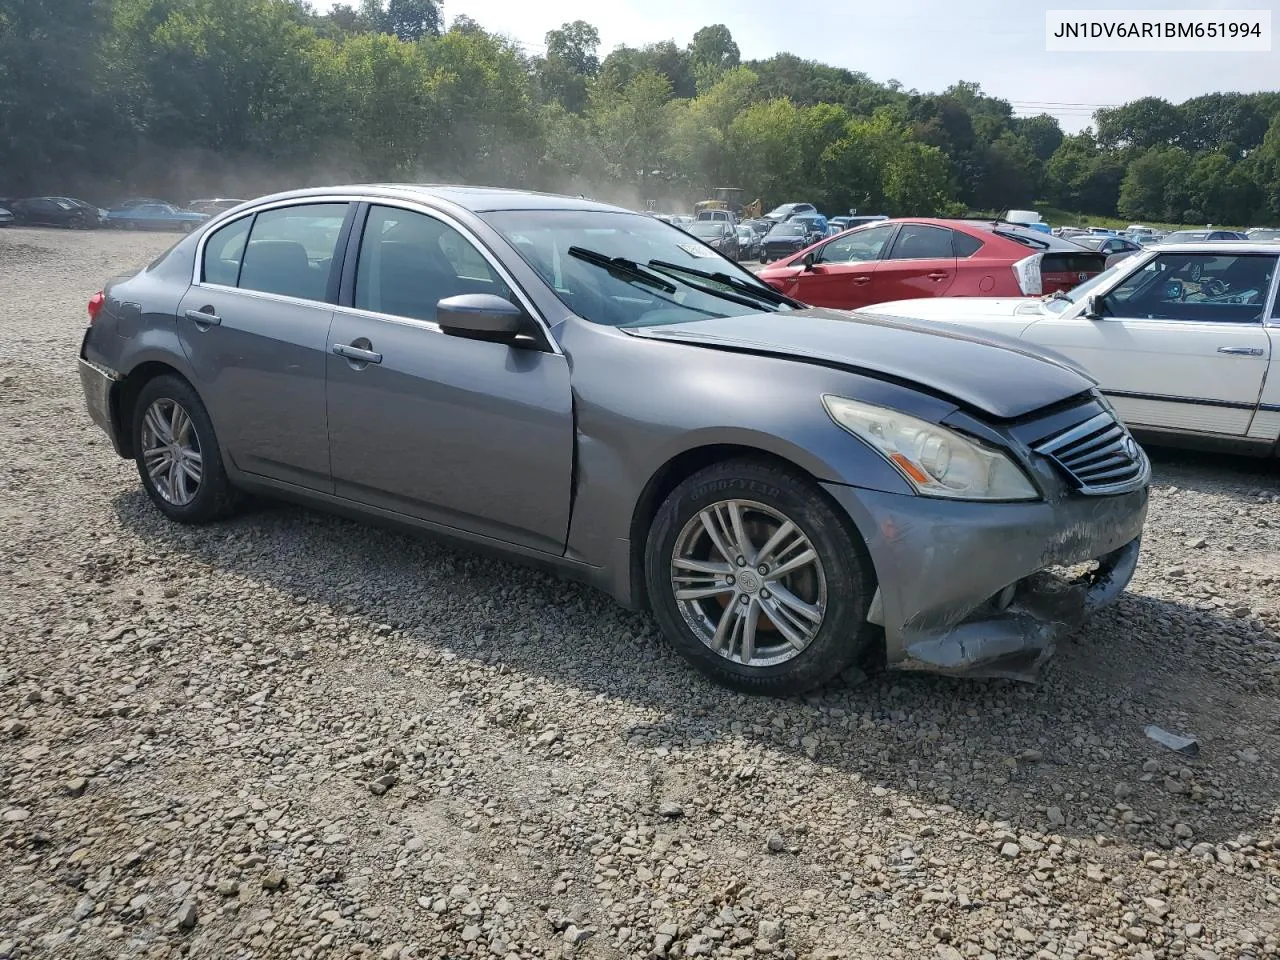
730,199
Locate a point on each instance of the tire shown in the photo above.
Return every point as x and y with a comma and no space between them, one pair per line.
839,587
764,258
212,497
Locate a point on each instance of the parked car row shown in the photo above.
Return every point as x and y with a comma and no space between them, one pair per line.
131,213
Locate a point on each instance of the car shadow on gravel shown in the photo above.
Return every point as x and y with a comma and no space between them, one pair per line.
1067,754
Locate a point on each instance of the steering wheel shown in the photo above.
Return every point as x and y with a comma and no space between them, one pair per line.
1213,287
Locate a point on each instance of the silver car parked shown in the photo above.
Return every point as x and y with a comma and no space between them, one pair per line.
789,490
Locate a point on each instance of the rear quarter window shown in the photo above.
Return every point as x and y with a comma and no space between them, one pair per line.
965,245
223,252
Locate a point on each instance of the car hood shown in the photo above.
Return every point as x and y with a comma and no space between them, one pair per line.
999,376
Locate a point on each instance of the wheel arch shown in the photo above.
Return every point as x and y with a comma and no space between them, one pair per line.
685,464
125,397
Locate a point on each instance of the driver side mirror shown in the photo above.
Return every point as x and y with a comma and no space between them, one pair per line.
809,260
480,316
1093,308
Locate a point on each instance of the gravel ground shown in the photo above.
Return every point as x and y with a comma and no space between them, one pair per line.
292,736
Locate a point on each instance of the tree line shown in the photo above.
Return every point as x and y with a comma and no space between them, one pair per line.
245,96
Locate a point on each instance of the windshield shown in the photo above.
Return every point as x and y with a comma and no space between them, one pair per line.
781,211
791,229
707,228
1186,236
614,295
1264,235
1058,302
1093,243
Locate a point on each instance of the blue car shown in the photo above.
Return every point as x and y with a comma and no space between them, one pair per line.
155,216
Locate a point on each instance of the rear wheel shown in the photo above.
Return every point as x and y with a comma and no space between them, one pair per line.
756,580
177,453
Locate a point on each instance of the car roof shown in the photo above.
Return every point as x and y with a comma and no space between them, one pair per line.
1219,247
474,199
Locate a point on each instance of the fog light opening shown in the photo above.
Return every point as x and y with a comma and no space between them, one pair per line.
1002,599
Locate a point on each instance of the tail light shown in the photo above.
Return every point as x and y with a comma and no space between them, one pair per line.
95,305
1027,273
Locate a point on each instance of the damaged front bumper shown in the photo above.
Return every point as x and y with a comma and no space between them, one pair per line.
966,588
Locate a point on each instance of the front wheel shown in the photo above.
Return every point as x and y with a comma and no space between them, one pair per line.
177,453
756,580
764,258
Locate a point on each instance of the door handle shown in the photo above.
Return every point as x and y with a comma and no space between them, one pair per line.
205,317
1242,351
861,279
939,276
357,354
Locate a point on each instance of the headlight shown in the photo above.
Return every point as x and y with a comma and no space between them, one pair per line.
936,461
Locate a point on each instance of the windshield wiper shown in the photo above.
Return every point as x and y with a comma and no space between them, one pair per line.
766,294
623,268
1056,295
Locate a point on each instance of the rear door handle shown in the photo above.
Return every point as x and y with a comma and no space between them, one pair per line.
1242,351
357,354
204,316
861,279
939,276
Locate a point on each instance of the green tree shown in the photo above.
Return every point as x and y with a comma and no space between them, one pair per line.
575,44
764,141
1228,122
224,75
1042,133
57,115
1155,185
1264,171
569,65
633,130
711,53
1145,123
410,20
625,63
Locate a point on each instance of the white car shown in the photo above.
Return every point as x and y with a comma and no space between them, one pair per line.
1181,338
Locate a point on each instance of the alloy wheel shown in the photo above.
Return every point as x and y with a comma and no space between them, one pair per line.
171,451
748,582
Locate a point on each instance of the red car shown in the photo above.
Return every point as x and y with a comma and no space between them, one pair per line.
915,257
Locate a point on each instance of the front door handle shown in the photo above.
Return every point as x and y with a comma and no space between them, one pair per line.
1242,351
356,354
938,276
861,279
205,316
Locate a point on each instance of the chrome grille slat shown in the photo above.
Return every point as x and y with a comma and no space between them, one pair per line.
1080,430
1097,442
1104,461
1125,471
1097,454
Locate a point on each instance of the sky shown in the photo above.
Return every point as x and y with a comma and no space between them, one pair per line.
924,44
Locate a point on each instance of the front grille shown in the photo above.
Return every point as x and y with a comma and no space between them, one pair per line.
1098,454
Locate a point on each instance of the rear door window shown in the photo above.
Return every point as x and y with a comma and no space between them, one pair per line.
920,241
291,250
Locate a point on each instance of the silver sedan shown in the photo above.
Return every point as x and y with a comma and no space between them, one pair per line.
789,490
